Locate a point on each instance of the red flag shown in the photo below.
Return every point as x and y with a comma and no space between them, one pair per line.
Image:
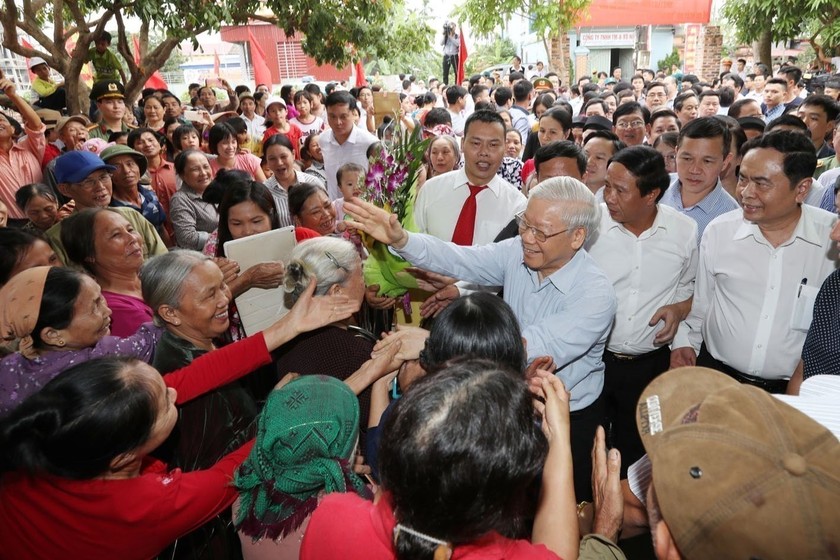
462,57
216,64
360,74
155,81
262,75
26,44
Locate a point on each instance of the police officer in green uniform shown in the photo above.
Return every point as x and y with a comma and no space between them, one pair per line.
110,102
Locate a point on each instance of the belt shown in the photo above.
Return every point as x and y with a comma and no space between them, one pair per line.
769,385
632,357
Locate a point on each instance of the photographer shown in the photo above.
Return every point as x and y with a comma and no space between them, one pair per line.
451,46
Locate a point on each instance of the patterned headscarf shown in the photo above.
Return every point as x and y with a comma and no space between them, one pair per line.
306,435
20,305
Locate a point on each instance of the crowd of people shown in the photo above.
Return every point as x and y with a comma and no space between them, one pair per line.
625,322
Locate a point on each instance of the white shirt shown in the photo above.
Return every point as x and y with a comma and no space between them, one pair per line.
256,127
458,122
745,291
654,269
439,204
353,150
828,178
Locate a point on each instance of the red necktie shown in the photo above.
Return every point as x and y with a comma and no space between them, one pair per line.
464,228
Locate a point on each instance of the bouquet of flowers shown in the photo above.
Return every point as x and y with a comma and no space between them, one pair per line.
391,184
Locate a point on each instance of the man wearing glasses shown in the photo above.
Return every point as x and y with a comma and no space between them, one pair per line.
85,178
703,150
631,122
565,304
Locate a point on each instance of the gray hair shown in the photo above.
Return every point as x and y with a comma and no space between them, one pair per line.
162,278
580,208
312,258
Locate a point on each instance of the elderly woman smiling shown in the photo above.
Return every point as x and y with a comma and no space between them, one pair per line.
106,245
192,218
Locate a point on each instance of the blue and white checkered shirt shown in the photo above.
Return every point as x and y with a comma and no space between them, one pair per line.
717,202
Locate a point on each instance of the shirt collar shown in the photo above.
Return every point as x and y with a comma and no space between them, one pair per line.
461,180
658,222
565,279
805,229
709,202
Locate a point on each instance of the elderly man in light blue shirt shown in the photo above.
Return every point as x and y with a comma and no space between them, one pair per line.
565,304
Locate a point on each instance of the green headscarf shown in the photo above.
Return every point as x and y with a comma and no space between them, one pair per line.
306,435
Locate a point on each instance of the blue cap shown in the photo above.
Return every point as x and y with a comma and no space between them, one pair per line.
75,166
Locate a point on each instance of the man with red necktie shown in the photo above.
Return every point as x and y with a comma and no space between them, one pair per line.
470,206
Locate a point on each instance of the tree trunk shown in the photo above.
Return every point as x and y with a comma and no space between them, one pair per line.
557,56
764,46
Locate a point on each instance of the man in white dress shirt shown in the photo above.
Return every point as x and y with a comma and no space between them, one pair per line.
441,200
343,142
649,252
759,269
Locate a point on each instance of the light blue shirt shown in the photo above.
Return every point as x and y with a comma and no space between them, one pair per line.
714,204
567,315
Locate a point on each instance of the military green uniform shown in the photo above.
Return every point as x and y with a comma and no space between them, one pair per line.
99,130
825,164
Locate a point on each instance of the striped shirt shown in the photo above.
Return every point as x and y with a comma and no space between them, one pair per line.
714,204
281,195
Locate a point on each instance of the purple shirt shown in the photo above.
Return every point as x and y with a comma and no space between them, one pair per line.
128,313
21,377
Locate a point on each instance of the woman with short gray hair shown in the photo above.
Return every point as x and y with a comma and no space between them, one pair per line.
329,259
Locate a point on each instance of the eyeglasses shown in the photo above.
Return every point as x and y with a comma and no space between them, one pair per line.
335,261
538,235
91,182
632,124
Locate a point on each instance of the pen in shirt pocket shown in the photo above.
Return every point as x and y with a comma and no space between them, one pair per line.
803,283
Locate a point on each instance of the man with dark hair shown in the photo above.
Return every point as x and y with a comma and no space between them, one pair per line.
745,107
760,267
662,121
656,96
503,96
703,151
685,106
735,82
437,116
559,159
631,122
456,101
343,142
791,75
820,112
599,146
775,91
523,93
708,103
649,252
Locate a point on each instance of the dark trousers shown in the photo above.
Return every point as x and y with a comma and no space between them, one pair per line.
57,101
584,422
705,359
450,61
624,380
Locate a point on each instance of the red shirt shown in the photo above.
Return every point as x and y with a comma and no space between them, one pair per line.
51,517
349,527
294,135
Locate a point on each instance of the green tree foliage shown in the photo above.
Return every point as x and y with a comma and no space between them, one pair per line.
770,21
665,63
500,51
335,31
410,51
551,19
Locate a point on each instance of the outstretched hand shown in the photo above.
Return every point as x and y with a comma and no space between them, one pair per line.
311,312
376,222
554,406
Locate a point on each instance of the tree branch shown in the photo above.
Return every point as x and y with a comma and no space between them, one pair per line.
58,22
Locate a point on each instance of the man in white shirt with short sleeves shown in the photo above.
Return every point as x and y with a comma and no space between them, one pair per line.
343,142
760,268
649,253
